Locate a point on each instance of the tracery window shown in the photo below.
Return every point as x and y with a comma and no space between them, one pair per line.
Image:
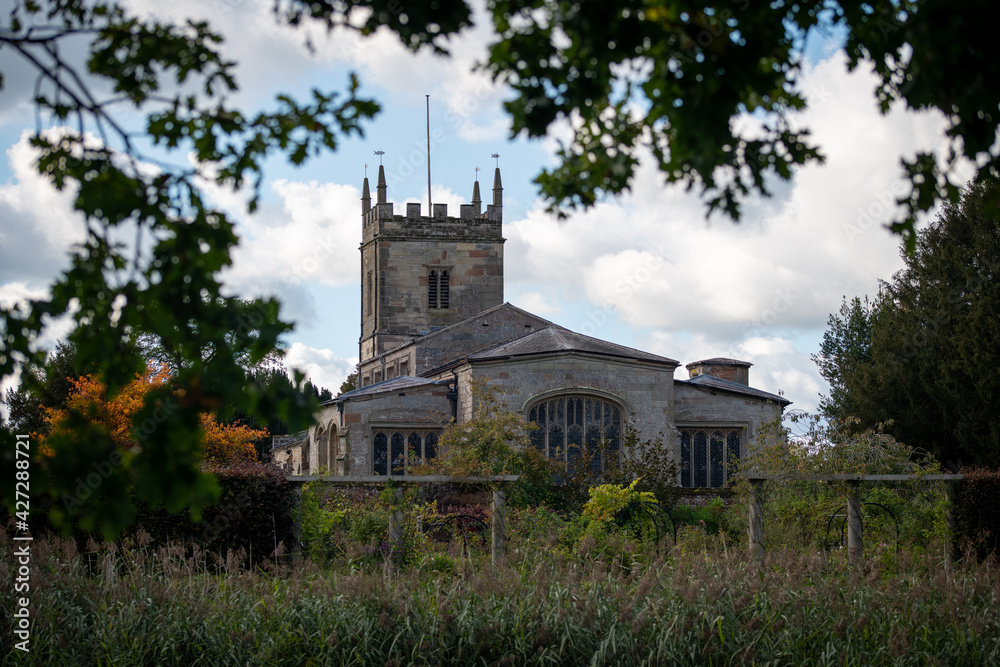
569,426
709,457
397,452
438,289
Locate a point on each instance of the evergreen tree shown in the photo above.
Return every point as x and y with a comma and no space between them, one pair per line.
47,386
925,353
350,384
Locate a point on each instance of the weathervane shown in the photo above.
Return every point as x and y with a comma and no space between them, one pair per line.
497,156
366,170
477,174
380,154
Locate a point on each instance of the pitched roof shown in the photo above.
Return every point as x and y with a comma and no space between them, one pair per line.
479,315
395,384
554,338
451,327
714,383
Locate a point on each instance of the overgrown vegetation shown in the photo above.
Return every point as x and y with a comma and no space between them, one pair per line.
804,514
601,583
699,602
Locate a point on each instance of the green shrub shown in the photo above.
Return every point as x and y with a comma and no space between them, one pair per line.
709,517
255,512
977,519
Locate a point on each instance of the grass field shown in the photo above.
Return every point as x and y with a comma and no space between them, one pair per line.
696,602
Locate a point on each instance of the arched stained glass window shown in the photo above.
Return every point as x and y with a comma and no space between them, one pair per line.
715,454
732,453
686,459
431,446
573,427
397,454
381,458
700,459
709,458
414,450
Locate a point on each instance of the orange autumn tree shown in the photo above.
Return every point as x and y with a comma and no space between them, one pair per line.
221,444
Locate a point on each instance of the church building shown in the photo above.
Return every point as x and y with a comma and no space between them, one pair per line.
433,321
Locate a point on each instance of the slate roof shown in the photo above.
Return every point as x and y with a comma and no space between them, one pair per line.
423,338
554,338
503,306
714,383
395,384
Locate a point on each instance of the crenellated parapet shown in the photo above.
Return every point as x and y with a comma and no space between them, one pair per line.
381,219
423,272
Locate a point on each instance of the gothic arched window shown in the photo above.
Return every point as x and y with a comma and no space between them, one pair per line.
569,427
397,452
444,290
709,457
438,289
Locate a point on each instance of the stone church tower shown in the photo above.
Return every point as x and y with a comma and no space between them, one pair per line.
420,273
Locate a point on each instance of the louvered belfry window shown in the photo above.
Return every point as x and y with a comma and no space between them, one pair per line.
444,291
439,289
432,289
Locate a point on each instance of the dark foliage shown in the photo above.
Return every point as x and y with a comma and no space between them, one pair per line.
977,522
923,354
255,512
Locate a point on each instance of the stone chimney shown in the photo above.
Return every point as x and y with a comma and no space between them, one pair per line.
733,370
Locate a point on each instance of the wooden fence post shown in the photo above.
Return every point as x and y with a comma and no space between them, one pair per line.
951,521
855,529
396,541
296,545
499,546
756,522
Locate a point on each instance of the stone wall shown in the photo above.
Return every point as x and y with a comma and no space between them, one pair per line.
700,406
397,254
492,327
424,406
644,390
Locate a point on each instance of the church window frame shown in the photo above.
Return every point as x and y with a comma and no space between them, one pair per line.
710,455
576,426
439,289
397,450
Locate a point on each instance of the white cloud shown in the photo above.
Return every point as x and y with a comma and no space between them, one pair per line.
654,258
535,302
779,366
321,366
37,222
19,293
273,56
309,236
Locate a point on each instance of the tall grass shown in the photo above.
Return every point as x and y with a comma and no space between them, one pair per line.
696,602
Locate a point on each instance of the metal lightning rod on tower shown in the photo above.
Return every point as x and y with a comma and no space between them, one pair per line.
430,207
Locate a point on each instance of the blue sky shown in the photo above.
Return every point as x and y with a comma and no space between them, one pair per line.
646,270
